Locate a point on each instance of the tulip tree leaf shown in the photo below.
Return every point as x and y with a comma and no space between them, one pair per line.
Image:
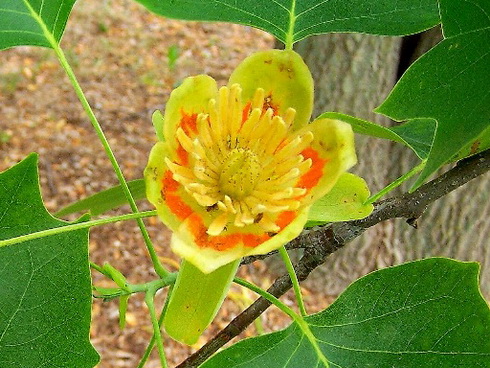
45,286
22,21
450,85
343,203
293,20
426,313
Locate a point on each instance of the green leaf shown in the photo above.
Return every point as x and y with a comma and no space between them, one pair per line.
481,143
462,16
343,203
45,286
27,22
291,20
450,85
106,200
427,313
416,134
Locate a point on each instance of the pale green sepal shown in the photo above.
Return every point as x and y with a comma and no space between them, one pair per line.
195,300
105,200
157,120
343,203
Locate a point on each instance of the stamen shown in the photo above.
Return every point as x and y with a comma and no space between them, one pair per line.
229,204
179,170
199,188
258,99
289,116
216,127
248,127
235,117
204,200
294,147
279,135
223,112
268,225
205,175
205,136
218,224
184,140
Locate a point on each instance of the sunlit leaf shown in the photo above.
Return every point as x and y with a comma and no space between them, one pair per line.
427,313
45,286
27,22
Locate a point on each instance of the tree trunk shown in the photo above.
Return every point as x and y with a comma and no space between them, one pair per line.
353,74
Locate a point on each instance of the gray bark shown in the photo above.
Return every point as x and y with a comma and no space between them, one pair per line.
353,74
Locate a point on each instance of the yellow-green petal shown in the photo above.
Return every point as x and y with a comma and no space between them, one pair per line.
170,198
285,78
185,103
332,153
205,258
288,233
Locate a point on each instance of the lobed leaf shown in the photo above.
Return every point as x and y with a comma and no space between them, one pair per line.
426,313
22,21
450,85
45,286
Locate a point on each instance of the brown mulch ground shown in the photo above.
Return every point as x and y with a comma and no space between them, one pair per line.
120,54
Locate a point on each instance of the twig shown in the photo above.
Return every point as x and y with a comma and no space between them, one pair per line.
320,242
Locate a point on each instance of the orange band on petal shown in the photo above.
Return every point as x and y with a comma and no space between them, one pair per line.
285,218
253,240
183,155
188,123
174,202
221,242
169,184
315,173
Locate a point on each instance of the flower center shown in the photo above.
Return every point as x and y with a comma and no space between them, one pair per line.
239,173
243,161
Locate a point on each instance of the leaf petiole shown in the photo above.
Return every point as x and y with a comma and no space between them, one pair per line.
304,327
396,183
73,227
294,279
157,333
292,20
151,344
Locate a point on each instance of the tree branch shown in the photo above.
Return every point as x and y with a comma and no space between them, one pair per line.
320,242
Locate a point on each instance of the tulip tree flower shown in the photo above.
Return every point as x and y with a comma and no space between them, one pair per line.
235,173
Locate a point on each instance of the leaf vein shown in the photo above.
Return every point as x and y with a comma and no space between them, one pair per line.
250,14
